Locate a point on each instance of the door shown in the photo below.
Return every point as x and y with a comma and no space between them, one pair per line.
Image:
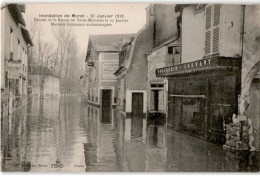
137,115
106,106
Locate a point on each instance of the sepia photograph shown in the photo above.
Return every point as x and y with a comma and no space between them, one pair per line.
130,87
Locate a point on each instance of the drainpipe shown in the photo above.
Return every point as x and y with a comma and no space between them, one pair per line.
242,32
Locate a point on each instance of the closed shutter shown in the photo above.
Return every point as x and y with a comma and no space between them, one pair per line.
207,42
212,30
216,22
216,40
208,17
216,14
208,31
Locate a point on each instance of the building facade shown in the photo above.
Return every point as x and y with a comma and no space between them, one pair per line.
44,83
167,54
14,58
102,61
204,87
249,108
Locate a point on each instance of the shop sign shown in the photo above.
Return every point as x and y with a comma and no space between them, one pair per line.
193,66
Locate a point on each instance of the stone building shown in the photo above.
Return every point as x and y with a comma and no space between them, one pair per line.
44,83
204,87
249,103
102,61
14,57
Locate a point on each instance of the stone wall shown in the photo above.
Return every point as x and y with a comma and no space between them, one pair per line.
237,136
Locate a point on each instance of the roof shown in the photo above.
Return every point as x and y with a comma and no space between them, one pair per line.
107,42
26,36
16,12
168,42
180,7
42,70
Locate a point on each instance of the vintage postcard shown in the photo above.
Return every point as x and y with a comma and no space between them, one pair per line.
130,87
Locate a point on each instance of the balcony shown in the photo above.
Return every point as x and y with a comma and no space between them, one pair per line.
207,64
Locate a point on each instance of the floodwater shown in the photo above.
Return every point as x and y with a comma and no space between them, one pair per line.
68,135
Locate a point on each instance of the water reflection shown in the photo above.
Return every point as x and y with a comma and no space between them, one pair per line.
67,135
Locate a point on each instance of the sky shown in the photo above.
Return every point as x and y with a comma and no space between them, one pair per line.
134,13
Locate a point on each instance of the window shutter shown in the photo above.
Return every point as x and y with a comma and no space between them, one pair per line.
216,14
208,30
212,29
207,42
208,17
216,22
216,40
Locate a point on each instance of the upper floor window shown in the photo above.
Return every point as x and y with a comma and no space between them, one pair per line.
11,39
212,29
18,50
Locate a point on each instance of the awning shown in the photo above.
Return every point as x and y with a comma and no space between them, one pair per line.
204,65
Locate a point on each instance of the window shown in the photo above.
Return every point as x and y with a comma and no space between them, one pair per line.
11,43
23,60
18,50
170,50
212,29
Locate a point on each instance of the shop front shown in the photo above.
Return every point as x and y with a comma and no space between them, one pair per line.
202,96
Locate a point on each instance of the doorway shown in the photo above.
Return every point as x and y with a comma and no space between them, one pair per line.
137,115
106,106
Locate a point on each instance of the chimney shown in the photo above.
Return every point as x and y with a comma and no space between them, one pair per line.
150,13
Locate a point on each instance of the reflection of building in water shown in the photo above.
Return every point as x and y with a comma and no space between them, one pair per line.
138,155
99,151
15,143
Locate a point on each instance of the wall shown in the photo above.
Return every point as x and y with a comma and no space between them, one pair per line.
52,85
93,78
156,59
166,20
229,44
3,41
7,22
250,68
109,63
35,79
142,43
193,32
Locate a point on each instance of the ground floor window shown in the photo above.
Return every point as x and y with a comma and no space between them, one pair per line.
189,115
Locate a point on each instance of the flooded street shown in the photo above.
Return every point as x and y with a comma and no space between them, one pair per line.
68,135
